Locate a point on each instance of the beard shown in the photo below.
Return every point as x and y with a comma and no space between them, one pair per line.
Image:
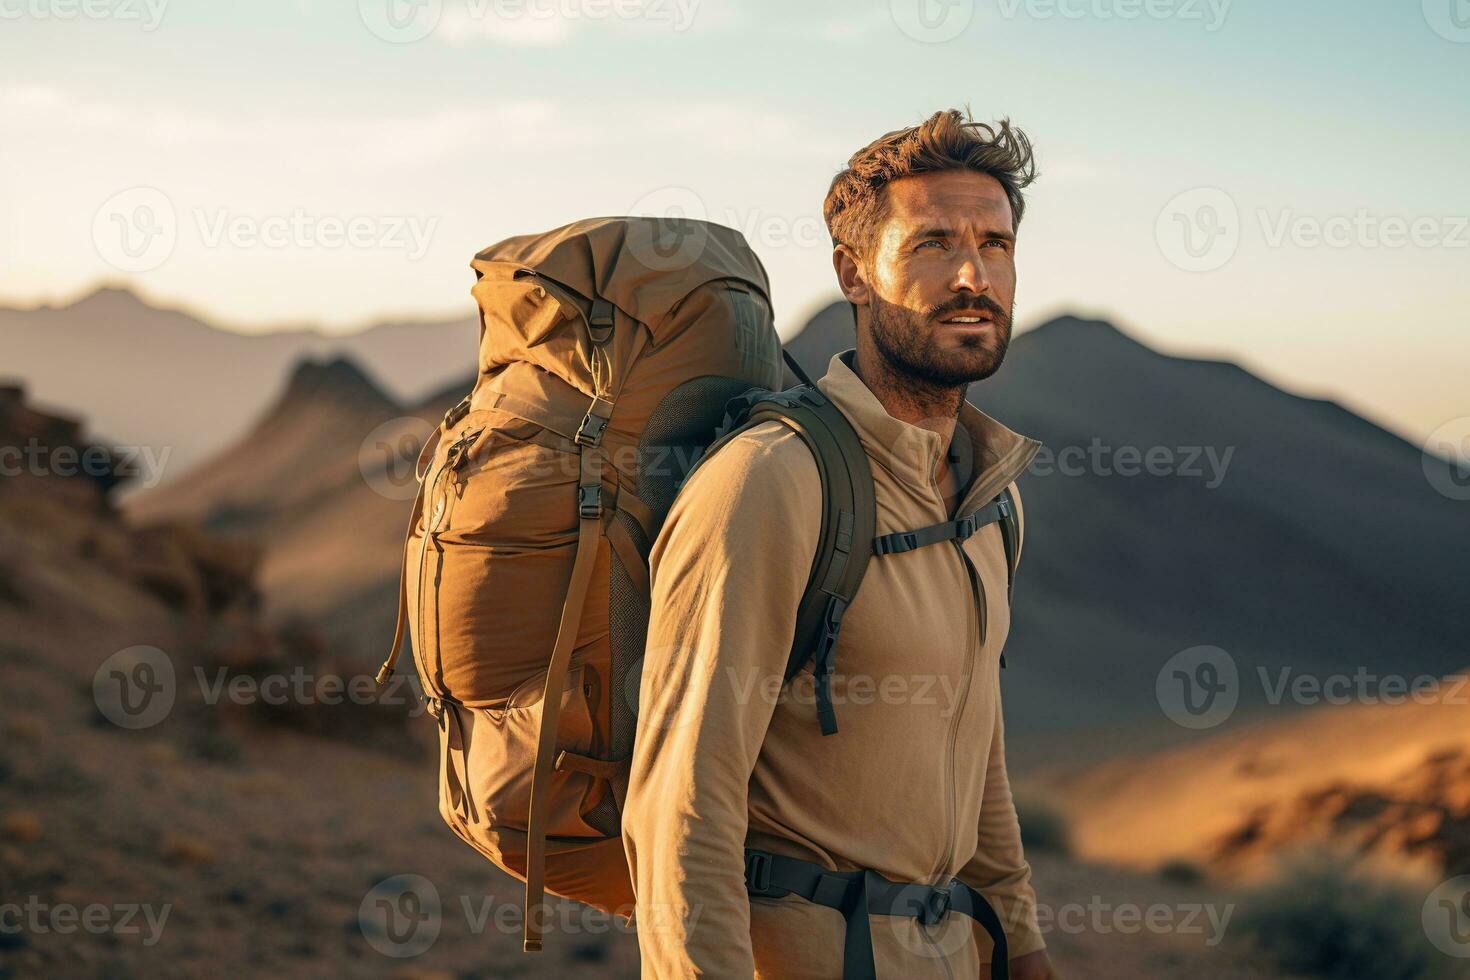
909,342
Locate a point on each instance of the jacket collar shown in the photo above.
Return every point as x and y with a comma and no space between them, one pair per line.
981,449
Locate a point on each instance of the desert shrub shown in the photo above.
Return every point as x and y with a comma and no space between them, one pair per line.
1043,828
1181,872
1325,917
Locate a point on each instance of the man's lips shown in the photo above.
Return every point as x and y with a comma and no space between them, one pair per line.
968,318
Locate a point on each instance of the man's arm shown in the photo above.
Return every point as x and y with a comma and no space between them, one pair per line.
727,573
999,867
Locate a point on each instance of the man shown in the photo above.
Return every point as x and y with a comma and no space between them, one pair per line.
913,786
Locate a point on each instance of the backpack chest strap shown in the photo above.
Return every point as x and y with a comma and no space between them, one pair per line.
898,542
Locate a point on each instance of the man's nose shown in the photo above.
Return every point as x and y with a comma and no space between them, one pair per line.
969,274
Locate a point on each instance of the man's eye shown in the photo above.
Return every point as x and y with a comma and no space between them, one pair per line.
1000,243
931,241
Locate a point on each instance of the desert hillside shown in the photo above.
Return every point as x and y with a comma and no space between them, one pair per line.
245,835
1389,781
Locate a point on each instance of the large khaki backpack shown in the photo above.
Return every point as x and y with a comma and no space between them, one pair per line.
609,349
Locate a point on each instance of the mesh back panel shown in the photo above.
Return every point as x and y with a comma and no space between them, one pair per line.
678,430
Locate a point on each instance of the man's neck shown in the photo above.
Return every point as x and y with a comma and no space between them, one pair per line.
935,409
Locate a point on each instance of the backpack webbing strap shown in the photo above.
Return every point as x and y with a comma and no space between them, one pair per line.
900,541
845,543
1010,535
589,529
858,894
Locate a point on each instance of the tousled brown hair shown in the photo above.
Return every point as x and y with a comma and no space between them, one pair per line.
947,140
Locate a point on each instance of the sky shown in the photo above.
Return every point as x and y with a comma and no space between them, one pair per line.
1280,184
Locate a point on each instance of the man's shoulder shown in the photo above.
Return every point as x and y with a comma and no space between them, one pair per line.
769,455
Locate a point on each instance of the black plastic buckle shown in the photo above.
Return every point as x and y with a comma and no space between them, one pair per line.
589,501
831,626
758,874
589,433
937,904
1003,507
899,542
965,526
600,321
457,412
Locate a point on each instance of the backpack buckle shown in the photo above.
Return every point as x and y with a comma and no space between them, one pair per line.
589,501
965,527
758,874
457,412
1003,507
589,433
937,904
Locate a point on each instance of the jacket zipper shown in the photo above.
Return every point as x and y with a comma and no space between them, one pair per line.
976,624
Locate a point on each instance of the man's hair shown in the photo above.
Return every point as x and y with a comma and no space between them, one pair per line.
947,140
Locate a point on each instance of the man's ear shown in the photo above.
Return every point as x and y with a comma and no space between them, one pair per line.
850,275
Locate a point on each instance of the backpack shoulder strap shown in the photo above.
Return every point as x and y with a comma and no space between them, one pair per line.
849,516
1010,532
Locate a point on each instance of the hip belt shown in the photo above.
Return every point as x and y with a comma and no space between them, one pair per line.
857,894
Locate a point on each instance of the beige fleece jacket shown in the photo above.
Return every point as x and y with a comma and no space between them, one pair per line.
913,784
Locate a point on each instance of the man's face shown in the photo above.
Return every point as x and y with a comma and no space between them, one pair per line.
940,277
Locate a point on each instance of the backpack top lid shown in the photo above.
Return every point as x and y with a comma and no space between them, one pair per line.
643,266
